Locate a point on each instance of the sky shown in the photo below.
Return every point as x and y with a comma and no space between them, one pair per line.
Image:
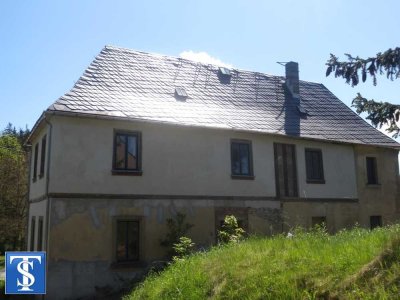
46,45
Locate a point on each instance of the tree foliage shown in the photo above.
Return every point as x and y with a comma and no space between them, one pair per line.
386,63
13,188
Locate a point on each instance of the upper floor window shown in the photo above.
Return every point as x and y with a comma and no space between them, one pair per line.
314,166
285,170
241,159
372,170
127,152
42,157
35,161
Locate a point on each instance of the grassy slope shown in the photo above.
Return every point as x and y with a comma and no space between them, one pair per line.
1,268
352,264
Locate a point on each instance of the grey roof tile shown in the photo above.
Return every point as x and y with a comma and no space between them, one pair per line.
137,85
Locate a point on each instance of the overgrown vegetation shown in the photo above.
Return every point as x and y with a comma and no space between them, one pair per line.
183,248
230,231
177,227
2,285
13,188
353,264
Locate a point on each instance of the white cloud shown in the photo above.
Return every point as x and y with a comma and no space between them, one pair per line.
204,58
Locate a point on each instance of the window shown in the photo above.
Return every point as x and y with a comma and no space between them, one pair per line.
42,157
241,159
375,221
127,247
285,170
180,93
32,244
127,153
372,172
318,221
314,166
224,75
35,161
40,235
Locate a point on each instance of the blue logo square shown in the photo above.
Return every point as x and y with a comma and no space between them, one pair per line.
25,272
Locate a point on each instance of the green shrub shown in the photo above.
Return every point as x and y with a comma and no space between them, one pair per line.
183,248
230,232
177,228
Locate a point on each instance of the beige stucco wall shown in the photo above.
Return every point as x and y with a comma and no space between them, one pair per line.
183,161
382,199
373,200
37,209
38,187
82,229
338,215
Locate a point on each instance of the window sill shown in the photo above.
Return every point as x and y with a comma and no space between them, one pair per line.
244,177
127,265
316,181
126,172
373,185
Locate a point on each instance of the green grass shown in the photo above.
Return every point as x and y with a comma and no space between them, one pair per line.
351,265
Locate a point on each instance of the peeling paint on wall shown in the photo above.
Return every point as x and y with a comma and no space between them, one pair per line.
95,218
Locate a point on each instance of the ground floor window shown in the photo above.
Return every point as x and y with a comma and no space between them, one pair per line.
127,240
40,235
375,221
32,242
318,221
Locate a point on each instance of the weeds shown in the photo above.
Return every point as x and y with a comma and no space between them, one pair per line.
352,264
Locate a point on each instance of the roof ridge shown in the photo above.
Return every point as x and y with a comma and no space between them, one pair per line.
159,55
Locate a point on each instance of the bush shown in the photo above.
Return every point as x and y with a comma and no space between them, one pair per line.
177,228
231,232
183,248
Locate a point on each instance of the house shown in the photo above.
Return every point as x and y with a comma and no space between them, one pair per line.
142,136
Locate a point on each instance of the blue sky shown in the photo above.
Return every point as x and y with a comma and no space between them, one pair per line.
46,45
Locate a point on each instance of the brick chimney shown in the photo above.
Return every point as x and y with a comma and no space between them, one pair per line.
292,78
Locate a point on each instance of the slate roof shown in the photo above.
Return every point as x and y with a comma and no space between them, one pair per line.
130,84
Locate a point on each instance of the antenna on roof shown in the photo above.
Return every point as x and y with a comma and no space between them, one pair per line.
256,83
196,74
282,63
209,67
236,79
179,67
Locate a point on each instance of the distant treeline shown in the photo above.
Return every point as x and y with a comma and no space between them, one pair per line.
14,173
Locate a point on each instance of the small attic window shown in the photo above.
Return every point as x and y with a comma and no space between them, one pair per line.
180,93
224,75
225,72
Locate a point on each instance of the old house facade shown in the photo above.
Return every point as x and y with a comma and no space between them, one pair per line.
141,137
